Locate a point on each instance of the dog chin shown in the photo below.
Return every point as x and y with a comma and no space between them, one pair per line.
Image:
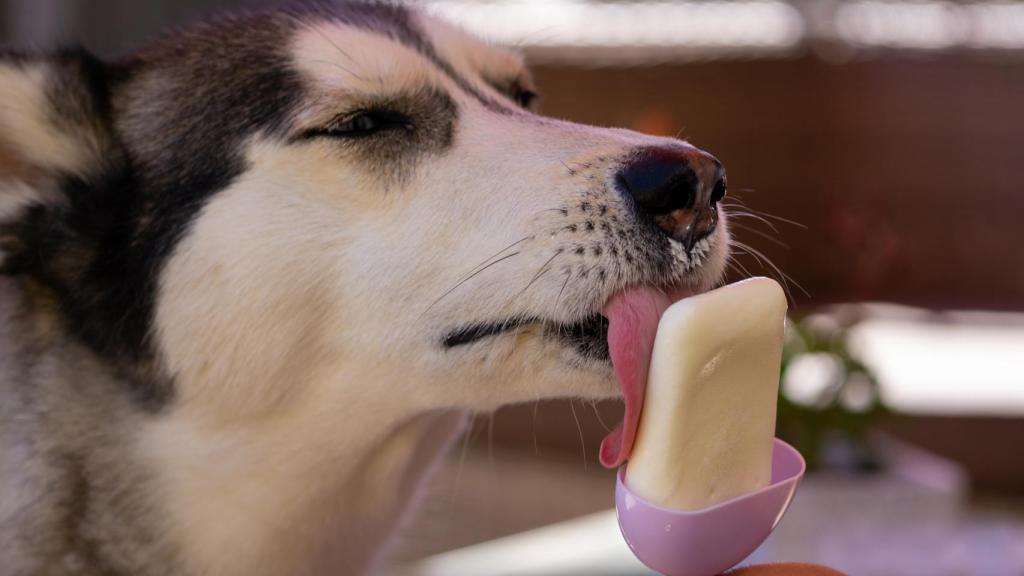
577,373
571,377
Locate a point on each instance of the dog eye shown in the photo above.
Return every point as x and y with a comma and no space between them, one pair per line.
364,123
525,98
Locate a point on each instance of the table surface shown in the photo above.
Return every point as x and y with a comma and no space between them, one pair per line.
915,521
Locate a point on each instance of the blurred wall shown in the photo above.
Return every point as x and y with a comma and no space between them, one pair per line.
907,172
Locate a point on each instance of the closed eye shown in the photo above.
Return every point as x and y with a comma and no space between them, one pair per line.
362,124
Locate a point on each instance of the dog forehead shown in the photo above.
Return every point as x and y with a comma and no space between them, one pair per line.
412,50
469,53
337,55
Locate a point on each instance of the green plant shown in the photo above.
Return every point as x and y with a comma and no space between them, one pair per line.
828,396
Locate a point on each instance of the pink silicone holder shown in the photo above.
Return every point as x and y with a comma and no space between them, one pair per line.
709,541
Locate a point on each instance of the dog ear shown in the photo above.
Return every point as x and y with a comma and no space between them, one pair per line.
55,128
54,125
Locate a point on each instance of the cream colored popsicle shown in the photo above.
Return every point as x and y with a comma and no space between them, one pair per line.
708,421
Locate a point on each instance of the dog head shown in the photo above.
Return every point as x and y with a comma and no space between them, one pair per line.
352,204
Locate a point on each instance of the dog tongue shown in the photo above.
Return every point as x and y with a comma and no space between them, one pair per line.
633,317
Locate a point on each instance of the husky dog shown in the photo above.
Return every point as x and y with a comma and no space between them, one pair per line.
255,275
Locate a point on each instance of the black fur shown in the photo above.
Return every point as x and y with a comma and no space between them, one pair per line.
166,149
185,107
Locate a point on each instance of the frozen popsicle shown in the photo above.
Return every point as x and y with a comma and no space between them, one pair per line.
708,419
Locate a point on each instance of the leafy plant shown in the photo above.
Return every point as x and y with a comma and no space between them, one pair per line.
828,398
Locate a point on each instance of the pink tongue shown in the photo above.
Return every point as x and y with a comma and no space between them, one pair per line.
633,317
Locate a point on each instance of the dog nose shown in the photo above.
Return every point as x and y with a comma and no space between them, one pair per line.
679,188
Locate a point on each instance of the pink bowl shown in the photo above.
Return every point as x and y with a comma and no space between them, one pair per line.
709,541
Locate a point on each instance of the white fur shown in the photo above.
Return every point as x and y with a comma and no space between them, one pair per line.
35,144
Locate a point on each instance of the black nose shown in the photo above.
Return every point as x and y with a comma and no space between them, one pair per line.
679,188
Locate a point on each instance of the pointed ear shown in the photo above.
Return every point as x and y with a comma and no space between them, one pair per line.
54,124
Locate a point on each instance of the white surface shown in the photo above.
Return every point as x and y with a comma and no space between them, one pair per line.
931,25
960,363
710,25
588,545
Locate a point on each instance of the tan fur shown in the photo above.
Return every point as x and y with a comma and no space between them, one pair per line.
465,53
29,128
346,62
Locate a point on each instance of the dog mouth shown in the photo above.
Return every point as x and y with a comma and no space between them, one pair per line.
588,337
622,334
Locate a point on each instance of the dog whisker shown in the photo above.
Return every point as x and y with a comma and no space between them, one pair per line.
544,268
517,242
536,449
340,51
766,262
738,202
458,471
490,442
759,233
336,65
539,212
737,266
579,429
600,420
736,209
737,214
554,309
479,268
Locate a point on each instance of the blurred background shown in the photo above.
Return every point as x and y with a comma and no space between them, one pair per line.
875,153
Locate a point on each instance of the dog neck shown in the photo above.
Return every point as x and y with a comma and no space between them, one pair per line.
309,492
